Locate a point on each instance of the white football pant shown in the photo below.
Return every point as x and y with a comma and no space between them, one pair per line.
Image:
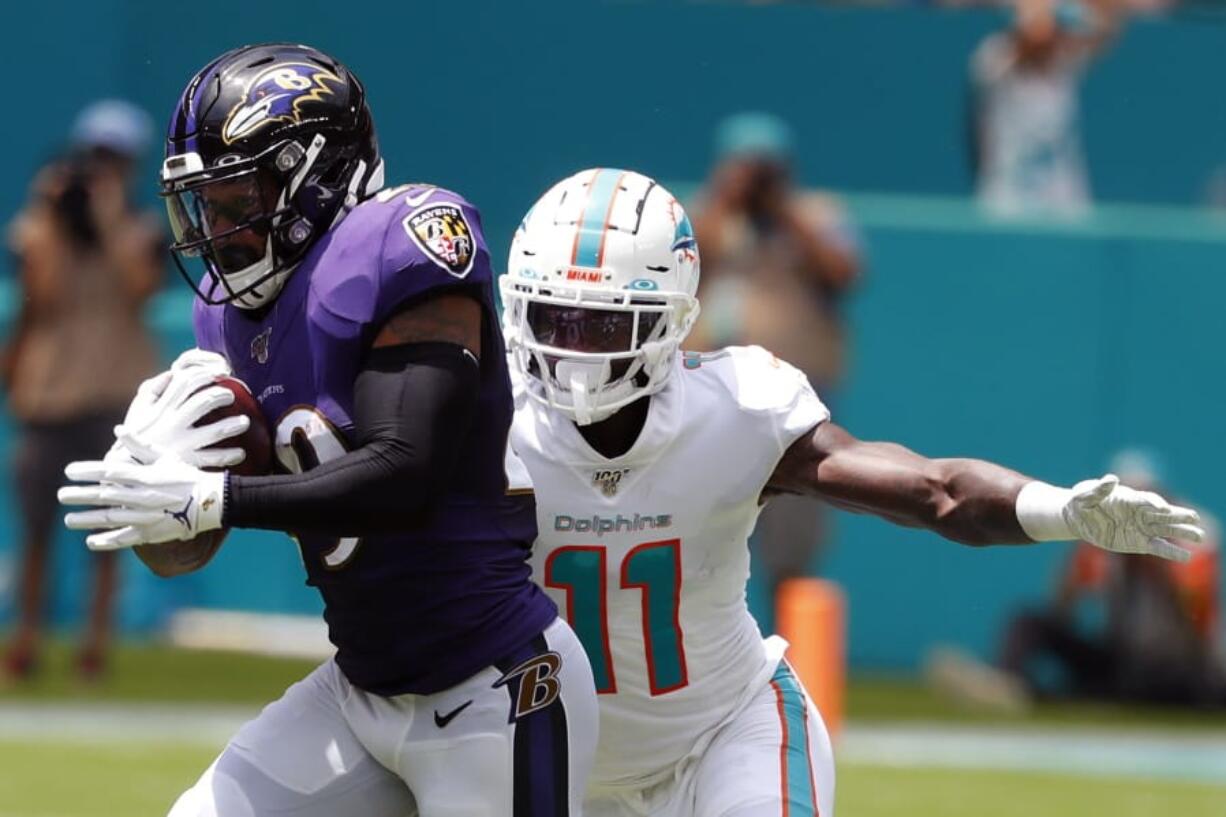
771,759
515,740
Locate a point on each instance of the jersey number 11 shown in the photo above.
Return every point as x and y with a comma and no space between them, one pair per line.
653,569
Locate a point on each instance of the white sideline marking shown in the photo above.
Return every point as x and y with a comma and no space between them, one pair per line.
1155,754
119,723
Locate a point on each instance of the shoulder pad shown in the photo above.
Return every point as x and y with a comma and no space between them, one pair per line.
401,243
755,377
432,226
761,385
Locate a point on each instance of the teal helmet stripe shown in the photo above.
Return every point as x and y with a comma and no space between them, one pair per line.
589,241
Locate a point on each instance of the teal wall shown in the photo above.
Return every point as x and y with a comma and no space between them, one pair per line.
499,99
1044,347
1039,346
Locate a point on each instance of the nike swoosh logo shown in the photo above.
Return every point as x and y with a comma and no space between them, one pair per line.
442,720
420,198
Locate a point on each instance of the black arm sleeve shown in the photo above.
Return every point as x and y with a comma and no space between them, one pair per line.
413,405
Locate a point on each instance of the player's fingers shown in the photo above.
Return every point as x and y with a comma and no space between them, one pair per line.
1186,533
111,518
1166,549
218,457
114,539
213,433
87,470
82,495
139,535
142,453
1155,501
1183,515
111,494
150,389
199,357
206,400
1091,493
1171,514
131,473
133,443
120,452
183,384
1175,516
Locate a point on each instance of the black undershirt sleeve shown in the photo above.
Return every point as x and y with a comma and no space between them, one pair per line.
413,406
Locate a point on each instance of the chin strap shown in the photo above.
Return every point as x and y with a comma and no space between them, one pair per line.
585,379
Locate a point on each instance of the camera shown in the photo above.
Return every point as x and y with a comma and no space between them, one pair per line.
72,203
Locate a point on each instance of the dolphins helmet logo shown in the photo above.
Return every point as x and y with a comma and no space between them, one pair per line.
684,243
277,94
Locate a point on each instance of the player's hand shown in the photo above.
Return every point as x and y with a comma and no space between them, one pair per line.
201,359
162,417
1123,520
139,504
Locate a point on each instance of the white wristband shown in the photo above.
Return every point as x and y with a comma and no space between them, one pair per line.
1040,512
211,492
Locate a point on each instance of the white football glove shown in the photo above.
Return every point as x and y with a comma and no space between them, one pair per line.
142,504
200,359
161,419
1112,516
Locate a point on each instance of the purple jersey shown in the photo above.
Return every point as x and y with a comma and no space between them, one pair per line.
421,610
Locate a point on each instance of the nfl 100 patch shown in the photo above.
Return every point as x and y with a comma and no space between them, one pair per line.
443,234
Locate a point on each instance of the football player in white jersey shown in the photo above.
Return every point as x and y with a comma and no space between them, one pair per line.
650,466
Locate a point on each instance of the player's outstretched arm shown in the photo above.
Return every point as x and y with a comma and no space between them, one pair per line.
978,502
969,501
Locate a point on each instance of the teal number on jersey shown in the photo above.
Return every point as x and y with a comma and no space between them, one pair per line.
653,569
580,572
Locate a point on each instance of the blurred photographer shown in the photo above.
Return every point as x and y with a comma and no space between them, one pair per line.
1121,628
87,261
1154,638
777,261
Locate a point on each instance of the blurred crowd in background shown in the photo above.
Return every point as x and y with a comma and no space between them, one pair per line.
1125,629
780,265
88,261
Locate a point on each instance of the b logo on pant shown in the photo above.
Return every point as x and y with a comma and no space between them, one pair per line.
538,685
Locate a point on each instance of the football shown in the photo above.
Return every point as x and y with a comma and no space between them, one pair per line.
256,440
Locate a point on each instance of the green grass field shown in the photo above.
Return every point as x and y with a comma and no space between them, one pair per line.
64,780
53,776
55,779
150,673
874,791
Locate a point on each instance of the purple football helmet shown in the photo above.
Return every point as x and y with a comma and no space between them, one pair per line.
269,146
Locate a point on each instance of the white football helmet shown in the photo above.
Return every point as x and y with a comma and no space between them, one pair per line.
599,292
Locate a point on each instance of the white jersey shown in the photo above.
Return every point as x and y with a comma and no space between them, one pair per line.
646,555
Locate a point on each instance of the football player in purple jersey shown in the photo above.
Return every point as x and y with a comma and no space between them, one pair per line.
363,321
